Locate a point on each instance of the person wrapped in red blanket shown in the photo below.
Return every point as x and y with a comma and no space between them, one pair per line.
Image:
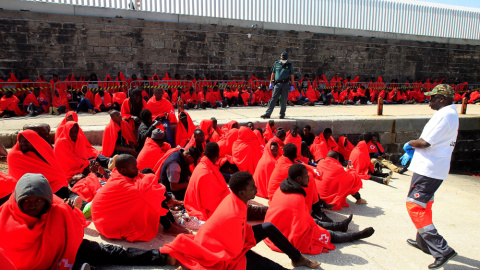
32,154
36,102
246,150
118,137
265,167
184,130
336,183
345,147
132,106
364,167
225,240
153,150
9,105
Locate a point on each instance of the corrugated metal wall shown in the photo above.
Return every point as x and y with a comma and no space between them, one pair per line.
403,17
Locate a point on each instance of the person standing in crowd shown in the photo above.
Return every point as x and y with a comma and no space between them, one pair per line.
430,166
282,78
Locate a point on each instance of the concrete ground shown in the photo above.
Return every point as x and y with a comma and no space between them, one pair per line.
456,215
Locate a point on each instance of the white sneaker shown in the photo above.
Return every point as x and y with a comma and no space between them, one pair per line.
358,102
85,266
369,103
192,223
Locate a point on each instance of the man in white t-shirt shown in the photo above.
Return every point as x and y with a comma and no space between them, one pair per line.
430,165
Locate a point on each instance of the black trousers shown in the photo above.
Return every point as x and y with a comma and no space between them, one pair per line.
262,231
95,253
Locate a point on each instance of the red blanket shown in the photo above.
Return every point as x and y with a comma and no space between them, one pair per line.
88,187
336,183
119,98
125,109
138,198
61,126
10,104
278,175
73,155
264,170
319,150
110,135
181,134
7,184
295,140
48,242
159,108
361,160
228,126
289,213
5,262
374,148
221,243
226,143
246,150
20,163
107,101
345,150
37,101
151,153
268,133
206,190
331,143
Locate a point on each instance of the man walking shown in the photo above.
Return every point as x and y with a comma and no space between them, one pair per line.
282,72
430,166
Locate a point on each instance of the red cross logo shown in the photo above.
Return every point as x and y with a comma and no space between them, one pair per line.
64,265
324,238
416,195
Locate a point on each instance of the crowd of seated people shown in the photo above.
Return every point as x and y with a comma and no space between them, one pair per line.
92,94
143,175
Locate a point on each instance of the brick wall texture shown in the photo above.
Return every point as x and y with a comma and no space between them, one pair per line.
39,43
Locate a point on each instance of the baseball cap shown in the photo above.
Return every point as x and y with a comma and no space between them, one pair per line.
285,55
441,89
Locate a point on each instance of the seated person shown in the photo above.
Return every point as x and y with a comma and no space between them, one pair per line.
336,183
184,130
147,126
132,106
265,167
217,133
307,135
326,136
293,137
129,206
32,154
162,109
190,98
270,130
378,155
197,140
39,231
287,212
85,103
246,150
9,105
60,100
74,150
153,150
117,100
103,102
225,240
87,186
345,147
173,170
35,103
69,116
118,137
364,167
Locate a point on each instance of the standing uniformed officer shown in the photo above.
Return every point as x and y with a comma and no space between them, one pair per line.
282,72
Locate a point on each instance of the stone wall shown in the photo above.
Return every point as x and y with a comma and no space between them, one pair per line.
40,43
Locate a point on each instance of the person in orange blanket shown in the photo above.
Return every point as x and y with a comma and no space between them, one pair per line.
130,204
153,150
378,155
35,103
132,106
118,137
288,213
345,147
190,98
118,99
197,140
87,186
265,167
270,130
9,105
103,102
60,99
246,150
7,185
326,136
281,172
279,138
74,150
364,167
225,240
162,108
40,231
336,183
32,154
217,133
184,129
69,116
294,137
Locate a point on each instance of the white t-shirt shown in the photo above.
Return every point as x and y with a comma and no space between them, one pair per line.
441,133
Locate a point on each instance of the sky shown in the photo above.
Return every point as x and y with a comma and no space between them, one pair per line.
464,3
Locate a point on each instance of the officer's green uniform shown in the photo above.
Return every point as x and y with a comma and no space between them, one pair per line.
282,86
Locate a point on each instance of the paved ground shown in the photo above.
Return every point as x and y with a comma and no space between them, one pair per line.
245,114
456,215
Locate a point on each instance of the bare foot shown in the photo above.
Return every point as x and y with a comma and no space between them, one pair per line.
179,268
304,261
171,260
177,229
361,201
